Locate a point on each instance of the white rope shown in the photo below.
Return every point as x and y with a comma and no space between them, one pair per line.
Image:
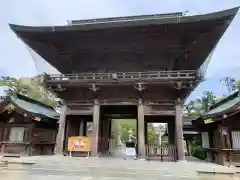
33,58
44,67
204,66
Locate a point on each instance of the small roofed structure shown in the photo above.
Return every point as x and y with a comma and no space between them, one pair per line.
220,130
27,127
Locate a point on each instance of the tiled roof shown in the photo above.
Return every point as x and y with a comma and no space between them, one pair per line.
34,107
30,106
229,104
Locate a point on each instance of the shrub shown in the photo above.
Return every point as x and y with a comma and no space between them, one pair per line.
199,152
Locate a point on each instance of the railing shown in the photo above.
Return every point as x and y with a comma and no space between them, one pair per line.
119,101
153,151
127,76
162,152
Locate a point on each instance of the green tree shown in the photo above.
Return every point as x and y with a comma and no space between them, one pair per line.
12,83
153,137
2,83
197,149
197,107
192,109
128,126
206,101
201,105
25,88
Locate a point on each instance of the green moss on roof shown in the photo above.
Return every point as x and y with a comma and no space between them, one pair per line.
34,107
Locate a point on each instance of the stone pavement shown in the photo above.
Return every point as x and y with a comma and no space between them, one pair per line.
71,168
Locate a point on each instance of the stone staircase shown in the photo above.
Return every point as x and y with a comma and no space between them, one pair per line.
59,167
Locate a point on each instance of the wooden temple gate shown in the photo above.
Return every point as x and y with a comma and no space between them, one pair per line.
139,61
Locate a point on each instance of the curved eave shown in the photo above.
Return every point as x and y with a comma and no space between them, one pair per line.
20,109
130,22
217,116
30,114
227,111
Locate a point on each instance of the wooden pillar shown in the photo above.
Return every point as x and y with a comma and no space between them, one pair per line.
85,128
29,138
189,144
106,135
141,130
81,128
61,129
171,132
95,127
2,148
109,133
67,135
146,132
101,136
179,131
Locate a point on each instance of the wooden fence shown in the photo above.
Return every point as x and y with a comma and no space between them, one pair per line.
161,152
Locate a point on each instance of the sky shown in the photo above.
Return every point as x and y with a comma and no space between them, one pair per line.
17,61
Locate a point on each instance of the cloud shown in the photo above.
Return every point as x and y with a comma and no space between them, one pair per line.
16,59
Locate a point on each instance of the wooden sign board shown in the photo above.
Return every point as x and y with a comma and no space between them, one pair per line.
79,143
208,121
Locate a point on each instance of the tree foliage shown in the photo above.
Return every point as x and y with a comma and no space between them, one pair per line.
201,105
197,150
128,126
24,87
196,108
206,101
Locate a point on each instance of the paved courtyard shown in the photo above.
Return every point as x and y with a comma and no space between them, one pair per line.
59,168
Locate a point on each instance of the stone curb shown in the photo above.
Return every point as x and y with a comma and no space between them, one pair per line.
218,170
16,161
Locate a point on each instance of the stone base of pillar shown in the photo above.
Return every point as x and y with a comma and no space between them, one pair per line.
141,157
209,157
94,154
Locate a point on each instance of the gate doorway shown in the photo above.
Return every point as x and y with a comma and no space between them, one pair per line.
117,125
122,131
158,146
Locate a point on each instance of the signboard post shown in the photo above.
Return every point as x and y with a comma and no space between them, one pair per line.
79,144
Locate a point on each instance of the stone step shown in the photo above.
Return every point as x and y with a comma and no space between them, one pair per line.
98,168
110,170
